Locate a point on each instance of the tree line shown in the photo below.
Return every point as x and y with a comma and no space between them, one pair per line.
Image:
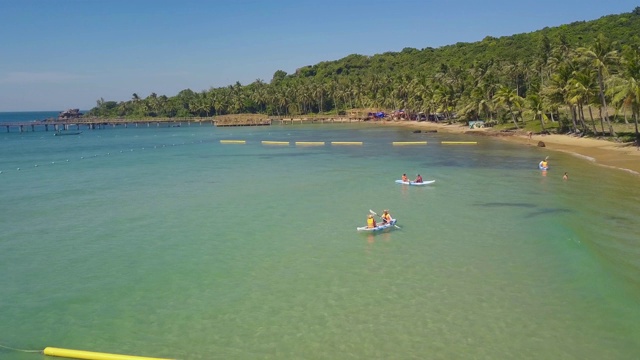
571,75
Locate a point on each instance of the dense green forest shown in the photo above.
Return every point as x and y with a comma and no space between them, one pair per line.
582,76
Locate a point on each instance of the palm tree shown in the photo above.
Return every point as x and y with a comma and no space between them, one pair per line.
536,104
477,104
194,105
236,98
583,87
161,102
626,91
556,92
424,91
626,88
544,56
371,87
444,95
281,99
259,94
332,92
600,56
152,101
507,97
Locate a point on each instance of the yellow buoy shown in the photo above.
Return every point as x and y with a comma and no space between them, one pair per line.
233,141
396,143
90,355
265,142
310,143
346,143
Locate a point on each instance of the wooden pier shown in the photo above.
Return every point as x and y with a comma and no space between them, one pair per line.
96,123
218,121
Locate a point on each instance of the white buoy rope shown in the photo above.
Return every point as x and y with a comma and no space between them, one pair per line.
21,350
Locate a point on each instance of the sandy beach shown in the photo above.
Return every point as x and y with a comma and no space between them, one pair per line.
625,157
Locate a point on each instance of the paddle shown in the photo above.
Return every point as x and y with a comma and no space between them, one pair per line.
374,213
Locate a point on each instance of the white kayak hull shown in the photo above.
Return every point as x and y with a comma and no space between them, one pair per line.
415,183
379,227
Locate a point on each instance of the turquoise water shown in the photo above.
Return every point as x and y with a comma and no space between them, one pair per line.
164,242
13,116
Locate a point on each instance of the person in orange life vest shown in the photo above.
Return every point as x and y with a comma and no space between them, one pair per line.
544,164
386,217
418,179
405,178
371,222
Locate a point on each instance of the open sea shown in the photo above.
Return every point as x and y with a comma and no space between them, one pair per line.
24,116
166,242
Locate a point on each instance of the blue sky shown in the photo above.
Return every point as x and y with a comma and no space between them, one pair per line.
59,54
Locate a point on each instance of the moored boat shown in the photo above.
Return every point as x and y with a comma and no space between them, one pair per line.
61,133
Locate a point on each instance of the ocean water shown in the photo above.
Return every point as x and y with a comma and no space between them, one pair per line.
165,242
24,116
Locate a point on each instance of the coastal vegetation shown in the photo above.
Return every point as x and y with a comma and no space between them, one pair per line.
580,77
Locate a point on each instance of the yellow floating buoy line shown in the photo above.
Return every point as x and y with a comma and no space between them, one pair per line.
90,355
309,143
82,354
269,142
402,143
265,142
346,143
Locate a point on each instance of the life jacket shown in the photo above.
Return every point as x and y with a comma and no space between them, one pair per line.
387,217
543,164
371,222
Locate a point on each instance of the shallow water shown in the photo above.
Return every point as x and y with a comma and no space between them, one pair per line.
164,242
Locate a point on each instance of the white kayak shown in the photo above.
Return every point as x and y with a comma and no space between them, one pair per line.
415,183
379,227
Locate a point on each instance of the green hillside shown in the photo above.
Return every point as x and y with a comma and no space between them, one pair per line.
525,49
563,77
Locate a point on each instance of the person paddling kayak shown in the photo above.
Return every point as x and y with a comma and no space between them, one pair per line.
386,217
371,222
544,165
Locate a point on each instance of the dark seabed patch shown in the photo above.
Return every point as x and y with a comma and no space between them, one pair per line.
547,211
505,204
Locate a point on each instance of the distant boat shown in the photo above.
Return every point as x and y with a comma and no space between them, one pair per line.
60,133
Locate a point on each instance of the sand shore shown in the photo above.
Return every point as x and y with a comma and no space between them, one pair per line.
603,152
